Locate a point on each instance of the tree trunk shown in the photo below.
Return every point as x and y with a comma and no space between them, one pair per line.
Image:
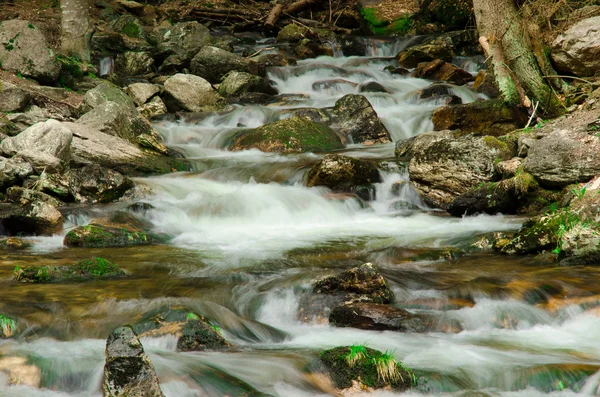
76,28
516,70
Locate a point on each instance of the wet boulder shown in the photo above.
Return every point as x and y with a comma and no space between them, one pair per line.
142,92
22,197
237,83
293,135
370,368
343,173
109,234
372,86
12,98
491,117
294,33
308,48
14,243
213,64
576,50
8,326
359,284
132,63
129,26
49,138
191,93
95,184
378,317
563,157
114,119
352,116
440,49
24,50
193,331
82,270
37,218
443,166
13,171
128,370
506,196
107,92
442,71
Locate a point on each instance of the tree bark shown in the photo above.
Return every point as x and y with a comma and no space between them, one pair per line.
273,16
76,28
516,70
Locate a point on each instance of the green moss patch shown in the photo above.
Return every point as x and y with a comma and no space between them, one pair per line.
383,27
84,269
99,236
367,366
8,326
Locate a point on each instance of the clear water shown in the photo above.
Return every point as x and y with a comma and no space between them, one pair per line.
248,238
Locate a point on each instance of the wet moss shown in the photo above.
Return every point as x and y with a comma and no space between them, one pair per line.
367,366
99,236
132,29
14,243
96,267
502,147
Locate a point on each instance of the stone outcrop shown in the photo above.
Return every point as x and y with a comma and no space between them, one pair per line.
443,166
212,64
191,93
24,50
576,50
343,173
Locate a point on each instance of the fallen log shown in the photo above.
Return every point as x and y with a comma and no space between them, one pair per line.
273,16
299,6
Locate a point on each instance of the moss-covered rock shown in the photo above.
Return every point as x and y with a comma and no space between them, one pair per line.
490,117
192,330
442,71
8,326
102,236
14,243
343,173
84,269
440,49
369,367
293,135
363,283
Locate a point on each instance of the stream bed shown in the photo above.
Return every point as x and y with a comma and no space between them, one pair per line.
248,238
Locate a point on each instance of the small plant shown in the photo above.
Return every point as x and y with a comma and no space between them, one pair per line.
356,353
192,316
8,325
387,367
579,192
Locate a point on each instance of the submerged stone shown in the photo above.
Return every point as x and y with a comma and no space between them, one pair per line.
84,269
100,236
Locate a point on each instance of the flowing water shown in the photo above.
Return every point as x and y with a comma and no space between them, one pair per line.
248,238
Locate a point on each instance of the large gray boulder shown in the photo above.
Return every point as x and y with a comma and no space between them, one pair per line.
13,171
191,93
576,50
237,83
353,117
212,63
92,146
563,157
12,98
49,138
105,92
114,119
184,40
141,92
131,63
95,184
128,371
443,166
24,50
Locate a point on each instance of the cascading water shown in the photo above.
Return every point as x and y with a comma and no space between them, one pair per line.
248,238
